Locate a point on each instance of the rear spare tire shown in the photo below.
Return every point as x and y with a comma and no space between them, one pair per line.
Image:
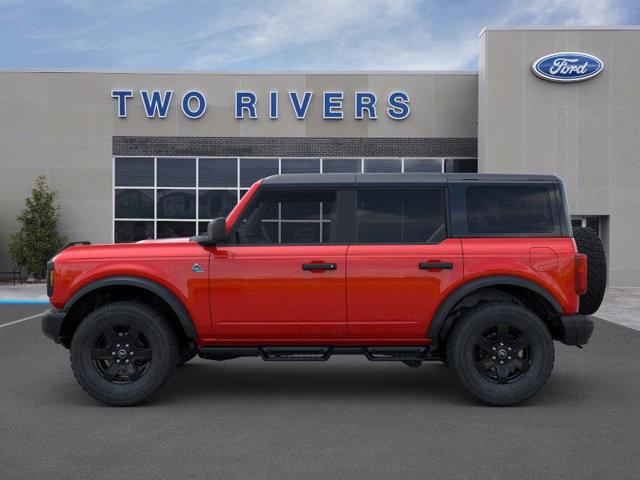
589,243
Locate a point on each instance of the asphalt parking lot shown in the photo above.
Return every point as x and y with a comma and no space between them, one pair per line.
344,419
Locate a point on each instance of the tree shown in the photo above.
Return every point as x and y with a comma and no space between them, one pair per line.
38,239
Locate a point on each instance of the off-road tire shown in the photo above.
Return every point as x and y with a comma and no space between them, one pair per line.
588,242
462,348
152,327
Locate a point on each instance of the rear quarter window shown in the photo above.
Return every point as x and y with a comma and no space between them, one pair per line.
510,210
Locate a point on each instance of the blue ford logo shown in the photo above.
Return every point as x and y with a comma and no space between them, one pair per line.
567,66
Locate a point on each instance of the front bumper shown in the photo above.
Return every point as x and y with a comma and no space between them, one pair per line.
52,323
575,330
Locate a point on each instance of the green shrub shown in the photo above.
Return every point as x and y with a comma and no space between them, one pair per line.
38,238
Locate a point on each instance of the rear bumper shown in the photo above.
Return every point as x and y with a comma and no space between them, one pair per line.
576,329
52,323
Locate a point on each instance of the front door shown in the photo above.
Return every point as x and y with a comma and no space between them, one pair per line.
281,278
401,265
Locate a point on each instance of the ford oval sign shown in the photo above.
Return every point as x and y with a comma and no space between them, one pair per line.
567,66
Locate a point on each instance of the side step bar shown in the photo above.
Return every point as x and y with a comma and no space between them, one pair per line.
319,353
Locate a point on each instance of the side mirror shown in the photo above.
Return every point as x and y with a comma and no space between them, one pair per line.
216,233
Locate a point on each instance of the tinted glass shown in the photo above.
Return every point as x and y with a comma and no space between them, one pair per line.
400,216
218,172
176,229
300,165
509,209
176,204
134,172
216,203
253,169
382,165
292,217
132,231
422,165
176,172
134,203
461,165
341,165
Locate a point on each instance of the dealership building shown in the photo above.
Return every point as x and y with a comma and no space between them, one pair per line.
152,155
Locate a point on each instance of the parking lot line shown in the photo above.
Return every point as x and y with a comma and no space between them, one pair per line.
21,320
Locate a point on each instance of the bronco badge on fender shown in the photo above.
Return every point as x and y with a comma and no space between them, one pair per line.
567,67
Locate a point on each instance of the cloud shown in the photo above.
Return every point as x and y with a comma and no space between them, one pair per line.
283,34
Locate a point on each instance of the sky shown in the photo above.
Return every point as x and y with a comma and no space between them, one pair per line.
277,35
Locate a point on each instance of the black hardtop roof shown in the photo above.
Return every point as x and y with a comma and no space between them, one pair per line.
324,180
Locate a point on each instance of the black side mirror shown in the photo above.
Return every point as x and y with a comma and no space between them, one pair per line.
216,233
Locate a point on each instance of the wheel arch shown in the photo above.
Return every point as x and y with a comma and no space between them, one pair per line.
444,318
129,287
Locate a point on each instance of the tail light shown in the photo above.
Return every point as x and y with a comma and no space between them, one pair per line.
581,273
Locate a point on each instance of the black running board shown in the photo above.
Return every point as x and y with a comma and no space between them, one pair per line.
318,354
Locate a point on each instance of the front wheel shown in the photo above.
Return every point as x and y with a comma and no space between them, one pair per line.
501,352
123,352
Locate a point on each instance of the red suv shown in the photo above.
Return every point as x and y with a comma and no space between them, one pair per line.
479,271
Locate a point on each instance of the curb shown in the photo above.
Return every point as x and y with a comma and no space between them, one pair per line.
23,301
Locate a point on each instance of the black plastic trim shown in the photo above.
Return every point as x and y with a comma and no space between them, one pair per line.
149,285
439,326
52,323
576,330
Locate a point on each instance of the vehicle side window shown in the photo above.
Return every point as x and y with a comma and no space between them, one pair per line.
401,216
287,217
509,209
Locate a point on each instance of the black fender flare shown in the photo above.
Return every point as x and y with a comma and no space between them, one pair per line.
439,325
151,286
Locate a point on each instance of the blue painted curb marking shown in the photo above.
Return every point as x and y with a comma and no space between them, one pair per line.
23,301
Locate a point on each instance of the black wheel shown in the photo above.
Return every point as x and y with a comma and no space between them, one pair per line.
123,352
588,242
501,352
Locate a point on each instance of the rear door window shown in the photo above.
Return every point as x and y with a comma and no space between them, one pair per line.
514,209
400,216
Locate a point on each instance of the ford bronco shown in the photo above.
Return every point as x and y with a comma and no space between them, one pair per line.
481,272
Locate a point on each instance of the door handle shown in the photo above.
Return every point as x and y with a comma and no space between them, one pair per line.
435,265
319,266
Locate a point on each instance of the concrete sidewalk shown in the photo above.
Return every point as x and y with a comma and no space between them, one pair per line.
621,305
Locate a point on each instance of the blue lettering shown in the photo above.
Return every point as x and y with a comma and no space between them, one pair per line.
200,100
273,105
332,105
365,101
122,96
156,105
398,105
300,109
246,101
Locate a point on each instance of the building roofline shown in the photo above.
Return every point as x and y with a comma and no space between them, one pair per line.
562,27
237,72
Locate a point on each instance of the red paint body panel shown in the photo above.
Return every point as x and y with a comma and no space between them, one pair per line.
511,256
169,264
262,293
389,297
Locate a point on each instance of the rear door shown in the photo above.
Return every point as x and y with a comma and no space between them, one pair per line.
401,264
282,277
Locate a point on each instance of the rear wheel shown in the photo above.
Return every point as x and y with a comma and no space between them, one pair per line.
501,352
123,352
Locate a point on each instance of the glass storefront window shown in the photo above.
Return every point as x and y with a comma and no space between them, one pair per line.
168,197
341,165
